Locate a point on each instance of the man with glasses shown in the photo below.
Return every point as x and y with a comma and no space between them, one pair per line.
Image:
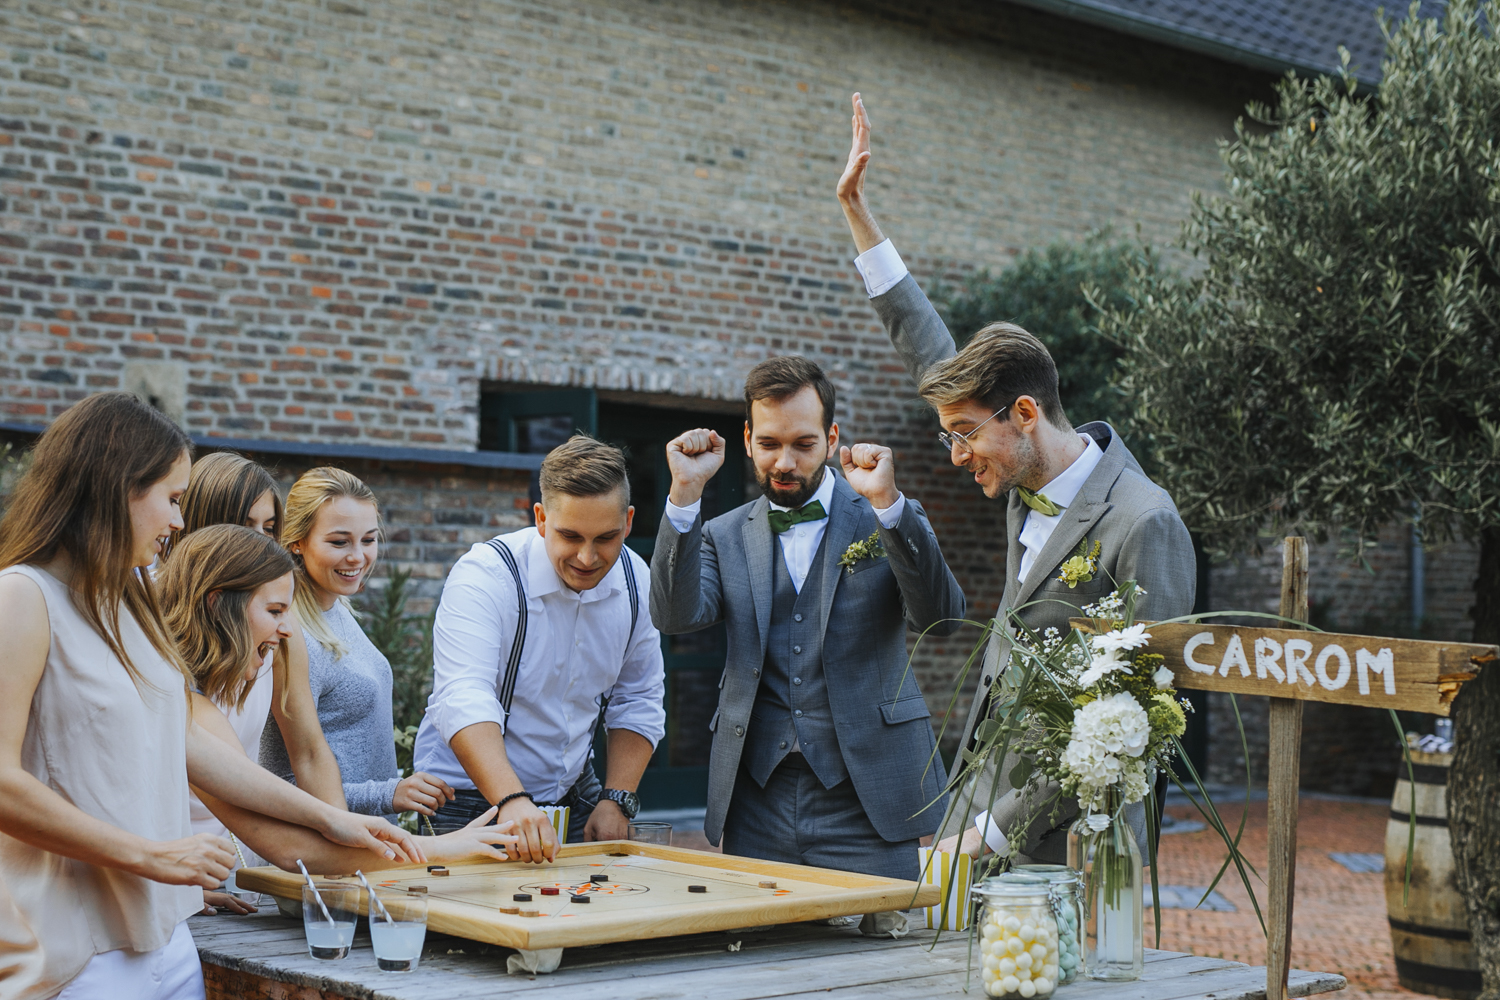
1070,492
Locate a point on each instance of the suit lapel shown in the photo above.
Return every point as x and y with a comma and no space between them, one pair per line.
843,519
1091,503
758,538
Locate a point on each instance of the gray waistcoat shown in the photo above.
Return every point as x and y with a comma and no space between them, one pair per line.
791,705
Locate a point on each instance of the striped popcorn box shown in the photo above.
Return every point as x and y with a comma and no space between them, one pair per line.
938,869
558,817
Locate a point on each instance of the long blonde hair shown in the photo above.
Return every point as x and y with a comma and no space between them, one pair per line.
308,494
75,499
205,589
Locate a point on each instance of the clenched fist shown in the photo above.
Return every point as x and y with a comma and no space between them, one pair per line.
693,456
871,471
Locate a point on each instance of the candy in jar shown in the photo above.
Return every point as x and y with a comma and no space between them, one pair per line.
1067,906
1018,938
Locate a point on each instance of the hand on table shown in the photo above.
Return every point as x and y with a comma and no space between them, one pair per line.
477,838
421,792
693,457
871,471
213,902
607,822
536,841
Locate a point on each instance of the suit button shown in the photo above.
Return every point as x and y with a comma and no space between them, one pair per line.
739,730
796,618
783,744
755,672
985,679
796,649
798,713
796,680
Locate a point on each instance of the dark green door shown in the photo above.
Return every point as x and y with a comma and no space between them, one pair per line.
535,422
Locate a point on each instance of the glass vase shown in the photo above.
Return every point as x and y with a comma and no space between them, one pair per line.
1109,865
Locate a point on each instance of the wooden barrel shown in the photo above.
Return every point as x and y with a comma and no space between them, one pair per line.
1430,933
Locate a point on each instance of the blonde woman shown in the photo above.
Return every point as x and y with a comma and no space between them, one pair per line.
331,527
96,744
225,488
227,597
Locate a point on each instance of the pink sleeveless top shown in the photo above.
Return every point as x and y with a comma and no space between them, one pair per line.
120,755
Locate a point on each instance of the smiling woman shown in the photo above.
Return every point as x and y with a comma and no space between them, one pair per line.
332,530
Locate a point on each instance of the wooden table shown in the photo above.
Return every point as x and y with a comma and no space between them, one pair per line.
264,956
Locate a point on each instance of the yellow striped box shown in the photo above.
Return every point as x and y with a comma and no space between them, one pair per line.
938,869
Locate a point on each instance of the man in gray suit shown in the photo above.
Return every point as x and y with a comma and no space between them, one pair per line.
822,743
1068,492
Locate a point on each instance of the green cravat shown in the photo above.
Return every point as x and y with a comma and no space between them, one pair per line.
784,519
1038,502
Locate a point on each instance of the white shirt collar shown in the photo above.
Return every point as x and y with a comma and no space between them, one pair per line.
1063,489
824,493
542,578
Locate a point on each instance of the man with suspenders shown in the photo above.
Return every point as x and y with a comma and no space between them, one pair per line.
536,631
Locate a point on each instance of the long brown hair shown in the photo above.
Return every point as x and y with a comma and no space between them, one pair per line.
221,490
75,500
205,588
308,494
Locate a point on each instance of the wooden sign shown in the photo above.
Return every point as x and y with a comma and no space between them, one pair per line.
621,891
1318,666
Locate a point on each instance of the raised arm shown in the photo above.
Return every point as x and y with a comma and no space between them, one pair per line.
685,591
916,330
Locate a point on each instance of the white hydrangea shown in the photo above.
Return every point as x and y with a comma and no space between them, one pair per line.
1109,736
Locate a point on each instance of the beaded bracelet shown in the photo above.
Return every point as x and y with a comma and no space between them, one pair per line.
512,796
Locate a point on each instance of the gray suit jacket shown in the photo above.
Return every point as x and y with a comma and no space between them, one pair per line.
1142,538
722,571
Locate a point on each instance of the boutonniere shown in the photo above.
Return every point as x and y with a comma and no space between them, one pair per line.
1082,565
857,553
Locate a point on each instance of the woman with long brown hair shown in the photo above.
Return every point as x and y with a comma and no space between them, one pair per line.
96,744
332,530
226,595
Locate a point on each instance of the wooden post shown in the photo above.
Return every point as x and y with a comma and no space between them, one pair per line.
1282,785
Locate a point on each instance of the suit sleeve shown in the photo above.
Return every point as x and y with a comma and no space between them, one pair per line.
932,597
686,594
1158,555
916,330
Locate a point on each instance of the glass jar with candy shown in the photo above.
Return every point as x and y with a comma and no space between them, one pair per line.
1018,936
1067,905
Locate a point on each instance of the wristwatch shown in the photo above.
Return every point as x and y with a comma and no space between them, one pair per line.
629,802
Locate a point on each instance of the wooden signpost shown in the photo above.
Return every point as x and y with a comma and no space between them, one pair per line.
1292,667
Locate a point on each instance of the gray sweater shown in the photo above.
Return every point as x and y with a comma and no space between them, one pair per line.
353,695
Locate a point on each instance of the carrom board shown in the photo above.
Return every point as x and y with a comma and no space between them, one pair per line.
646,895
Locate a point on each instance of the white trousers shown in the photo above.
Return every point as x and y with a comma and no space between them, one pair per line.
171,972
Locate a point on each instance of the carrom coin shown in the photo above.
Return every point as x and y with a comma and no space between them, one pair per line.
416,888
768,885
530,912
697,888
551,890
580,898
596,879
512,910
522,897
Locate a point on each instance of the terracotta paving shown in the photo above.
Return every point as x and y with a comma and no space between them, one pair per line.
1338,922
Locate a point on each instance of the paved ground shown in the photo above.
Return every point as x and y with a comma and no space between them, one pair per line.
1339,916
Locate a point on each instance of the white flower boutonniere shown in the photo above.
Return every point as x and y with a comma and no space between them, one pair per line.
1082,565
857,553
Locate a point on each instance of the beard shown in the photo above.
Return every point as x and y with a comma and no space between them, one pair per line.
806,486
1025,464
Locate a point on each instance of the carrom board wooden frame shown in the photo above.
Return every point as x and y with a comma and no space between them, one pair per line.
661,909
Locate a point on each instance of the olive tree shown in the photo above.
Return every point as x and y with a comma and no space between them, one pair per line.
1334,362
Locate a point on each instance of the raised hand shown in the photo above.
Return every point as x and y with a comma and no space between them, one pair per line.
693,456
871,471
851,188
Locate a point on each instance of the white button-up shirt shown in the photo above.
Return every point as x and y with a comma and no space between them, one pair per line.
799,543
1063,490
575,652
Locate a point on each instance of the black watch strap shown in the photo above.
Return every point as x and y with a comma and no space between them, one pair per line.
629,802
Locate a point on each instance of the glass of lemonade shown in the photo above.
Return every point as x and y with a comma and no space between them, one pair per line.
330,940
397,933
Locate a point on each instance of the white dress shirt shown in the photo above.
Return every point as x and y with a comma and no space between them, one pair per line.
1063,490
881,267
575,651
799,543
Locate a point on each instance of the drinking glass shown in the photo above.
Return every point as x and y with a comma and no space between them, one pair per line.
330,940
250,896
397,932
651,832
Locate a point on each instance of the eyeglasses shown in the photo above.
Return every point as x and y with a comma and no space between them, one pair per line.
951,438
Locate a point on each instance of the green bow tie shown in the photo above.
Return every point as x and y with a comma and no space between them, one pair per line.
784,519
1038,502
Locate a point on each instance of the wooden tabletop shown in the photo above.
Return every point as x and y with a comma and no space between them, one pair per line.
793,960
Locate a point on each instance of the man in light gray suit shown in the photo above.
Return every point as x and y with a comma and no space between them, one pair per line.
1069,491
823,752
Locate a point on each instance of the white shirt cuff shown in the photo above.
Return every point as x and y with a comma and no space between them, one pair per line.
990,831
891,516
682,518
881,267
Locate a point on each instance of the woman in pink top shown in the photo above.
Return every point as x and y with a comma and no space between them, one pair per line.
96,743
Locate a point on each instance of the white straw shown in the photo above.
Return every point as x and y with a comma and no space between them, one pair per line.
316,894
238,853
371,890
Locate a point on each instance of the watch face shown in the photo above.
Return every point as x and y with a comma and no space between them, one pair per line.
629,802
